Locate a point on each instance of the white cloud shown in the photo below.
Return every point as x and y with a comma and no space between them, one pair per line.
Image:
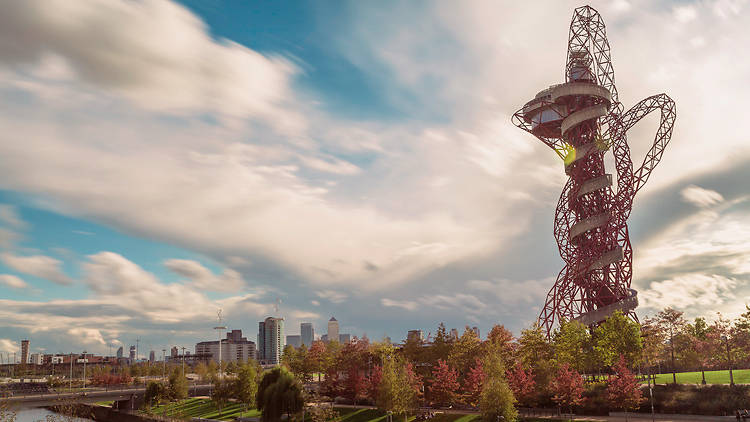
701,197
684,14
87,336
315,303
9,215
40,266
333,296
9,346
13,281
688,291
203,279
409,305
155,53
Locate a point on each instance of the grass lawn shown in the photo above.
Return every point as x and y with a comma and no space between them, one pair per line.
348,414
105,403
741,376
203,408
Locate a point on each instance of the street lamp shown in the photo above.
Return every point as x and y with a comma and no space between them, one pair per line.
84,369
729,360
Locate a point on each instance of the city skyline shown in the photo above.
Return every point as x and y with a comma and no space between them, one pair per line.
345,165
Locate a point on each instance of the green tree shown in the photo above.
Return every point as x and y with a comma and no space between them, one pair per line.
497,398
246,384
465,351
535,352
155,393
178,386
618,335
279,393
221,393
572,345
399,387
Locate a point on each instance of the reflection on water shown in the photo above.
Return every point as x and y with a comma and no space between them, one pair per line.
34,415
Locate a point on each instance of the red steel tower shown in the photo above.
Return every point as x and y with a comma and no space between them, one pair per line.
581,120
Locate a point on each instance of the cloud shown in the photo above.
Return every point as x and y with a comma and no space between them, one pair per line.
333,296
409,305
701,197
203,279
87,336
40,266
9,346
688,291
155,53
9,216
13,281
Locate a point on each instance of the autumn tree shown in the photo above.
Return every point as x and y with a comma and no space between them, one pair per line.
567,388
441,345
623,390
653,342
373,383
500,340
473,382
444,383
316,357
497,398
354,360
522,383
671,323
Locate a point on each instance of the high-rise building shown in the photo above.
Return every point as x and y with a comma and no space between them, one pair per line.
152,356
36,358
119,352
333,329
24,351
234,348
415,335
294,340
476,331
345,338
174,353
307,333
454,334
132,353
271,340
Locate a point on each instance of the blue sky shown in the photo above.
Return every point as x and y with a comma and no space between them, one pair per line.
160,161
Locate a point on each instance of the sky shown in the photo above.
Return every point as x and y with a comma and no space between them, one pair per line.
160,161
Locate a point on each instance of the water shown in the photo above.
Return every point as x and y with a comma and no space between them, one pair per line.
40,414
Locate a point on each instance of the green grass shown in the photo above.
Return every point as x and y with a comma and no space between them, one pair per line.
741,376
105,403
203,408
349,414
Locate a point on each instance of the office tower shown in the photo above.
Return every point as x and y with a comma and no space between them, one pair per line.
174,353
152,356
307,333
120,351
333,329
132,353
271,340
414,335
345,338
24,351
294,340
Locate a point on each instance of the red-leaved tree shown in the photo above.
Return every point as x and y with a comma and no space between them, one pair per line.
373,382
522,383
623,390
473,382
567,388
444,384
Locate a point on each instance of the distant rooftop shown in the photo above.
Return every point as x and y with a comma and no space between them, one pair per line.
333,319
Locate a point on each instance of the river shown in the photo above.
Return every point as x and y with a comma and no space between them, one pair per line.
44,415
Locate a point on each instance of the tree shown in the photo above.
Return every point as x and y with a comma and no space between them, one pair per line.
500,340
202,371
568,388
572,344
441,345
399,387
221,393
246,385
373,383
465,351
444,384
178,386
653,342
279,393
497,398
315,358
671,323
535,352
522,383
155,393
473,382
623,390
618,335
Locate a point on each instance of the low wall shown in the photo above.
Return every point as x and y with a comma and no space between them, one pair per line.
105,413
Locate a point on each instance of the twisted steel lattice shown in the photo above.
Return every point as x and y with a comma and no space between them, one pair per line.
581,120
